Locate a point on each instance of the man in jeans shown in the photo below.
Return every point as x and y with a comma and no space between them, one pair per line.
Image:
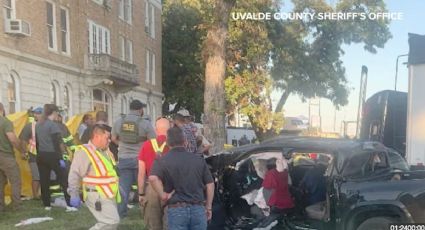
130,132
9,169
180,178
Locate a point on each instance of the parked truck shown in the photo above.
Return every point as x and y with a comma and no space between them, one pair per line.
384,119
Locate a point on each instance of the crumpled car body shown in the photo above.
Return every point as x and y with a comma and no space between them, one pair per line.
365,181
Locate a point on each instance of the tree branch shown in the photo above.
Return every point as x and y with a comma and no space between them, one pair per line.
282,100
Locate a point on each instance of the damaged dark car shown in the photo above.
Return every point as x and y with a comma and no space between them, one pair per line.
333,183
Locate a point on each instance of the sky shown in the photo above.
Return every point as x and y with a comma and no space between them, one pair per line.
381,68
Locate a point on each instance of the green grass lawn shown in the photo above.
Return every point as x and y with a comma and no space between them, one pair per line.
81,220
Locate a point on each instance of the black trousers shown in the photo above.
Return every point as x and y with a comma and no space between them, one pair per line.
47,162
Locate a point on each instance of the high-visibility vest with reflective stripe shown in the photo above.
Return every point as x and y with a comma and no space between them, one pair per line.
71,147
32,148
105,179
158,150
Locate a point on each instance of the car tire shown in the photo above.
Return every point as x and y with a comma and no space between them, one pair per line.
376,223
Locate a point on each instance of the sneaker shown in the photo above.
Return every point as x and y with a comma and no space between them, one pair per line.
47,208
71,209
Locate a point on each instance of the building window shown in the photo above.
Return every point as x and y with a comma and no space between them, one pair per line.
124,105
125,10
99,39
100,2
150,19
9,9
54,93
153,112
11,94
150,67
122,47
67,100
65,40
51,25
101,101
126,47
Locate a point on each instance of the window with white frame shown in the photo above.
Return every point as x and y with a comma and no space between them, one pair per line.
101,101
99,39
125,10
12,93
9,9
122,47
124,105
65,37
51,25
126,47
67,100
153,112
54,93
100,2
150,67
150,19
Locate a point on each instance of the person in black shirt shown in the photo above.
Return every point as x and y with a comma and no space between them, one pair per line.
180,179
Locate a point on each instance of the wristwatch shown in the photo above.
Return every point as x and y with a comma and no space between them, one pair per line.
141,194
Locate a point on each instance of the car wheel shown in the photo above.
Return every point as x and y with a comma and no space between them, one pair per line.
376,223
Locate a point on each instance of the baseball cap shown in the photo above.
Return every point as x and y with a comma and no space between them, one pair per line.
184,112
38,110
136,105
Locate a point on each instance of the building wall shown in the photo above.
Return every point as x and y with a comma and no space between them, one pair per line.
36,67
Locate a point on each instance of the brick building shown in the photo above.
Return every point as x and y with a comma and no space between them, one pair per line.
82,55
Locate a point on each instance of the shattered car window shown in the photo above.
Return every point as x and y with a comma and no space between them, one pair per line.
397,162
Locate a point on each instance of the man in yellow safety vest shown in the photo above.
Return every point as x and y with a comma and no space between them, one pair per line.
94,163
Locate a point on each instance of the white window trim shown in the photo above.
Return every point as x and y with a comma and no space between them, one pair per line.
100,2
70,97
152,21
121,40
124,104
56,92
154,116
105,94
130,13
55,39
12,10
17,82
129,47
153,69
68,32
106,44
147,66
122,10
147,17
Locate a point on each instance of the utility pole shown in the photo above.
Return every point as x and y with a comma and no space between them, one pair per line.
362,96
396,70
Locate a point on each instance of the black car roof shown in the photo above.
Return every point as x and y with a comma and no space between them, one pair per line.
318,144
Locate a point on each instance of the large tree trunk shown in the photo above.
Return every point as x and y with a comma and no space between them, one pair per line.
215,70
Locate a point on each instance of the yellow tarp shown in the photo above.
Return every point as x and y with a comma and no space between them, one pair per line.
19,120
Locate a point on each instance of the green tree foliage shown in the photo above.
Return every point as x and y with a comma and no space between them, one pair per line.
248,83
293,56
306,54
183,71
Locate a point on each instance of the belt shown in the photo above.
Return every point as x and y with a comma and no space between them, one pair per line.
185,204
91,190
